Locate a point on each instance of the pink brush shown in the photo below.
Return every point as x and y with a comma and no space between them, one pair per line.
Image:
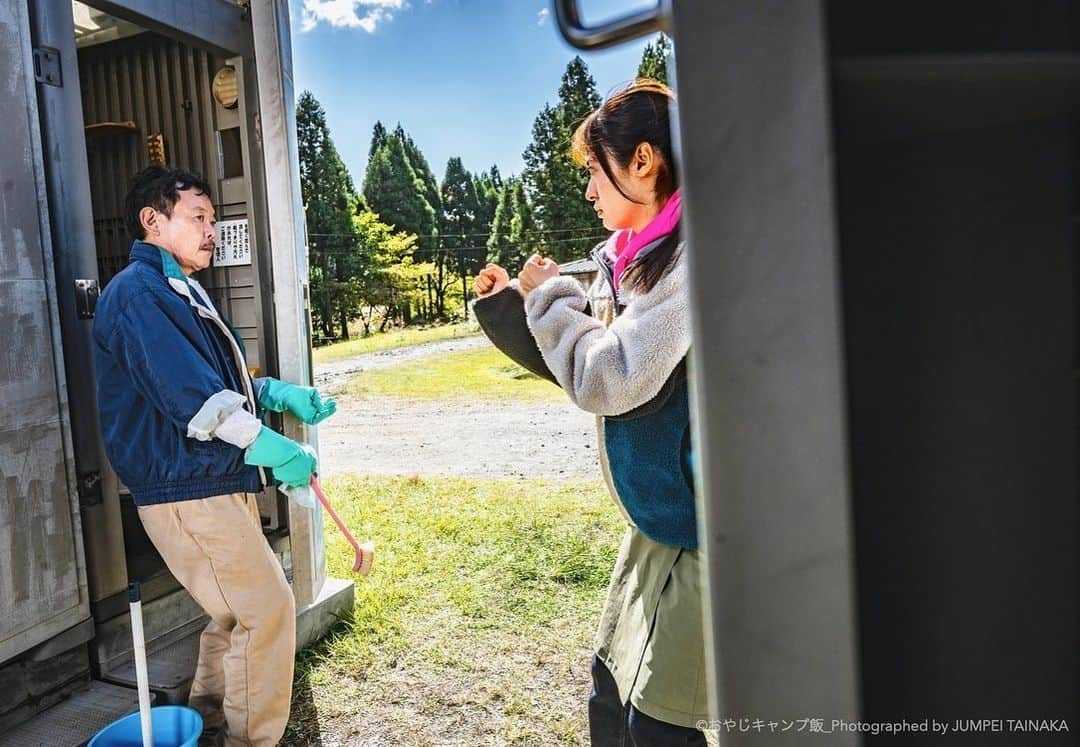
365,553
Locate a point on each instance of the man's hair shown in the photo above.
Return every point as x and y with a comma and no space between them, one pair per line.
158,187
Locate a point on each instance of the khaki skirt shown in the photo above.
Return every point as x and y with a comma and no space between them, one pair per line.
651,634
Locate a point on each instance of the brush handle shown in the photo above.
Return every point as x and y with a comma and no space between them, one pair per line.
142,679
359,551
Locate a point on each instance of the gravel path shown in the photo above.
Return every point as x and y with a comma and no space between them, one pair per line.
389,436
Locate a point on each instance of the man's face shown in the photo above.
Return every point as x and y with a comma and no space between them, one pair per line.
188,234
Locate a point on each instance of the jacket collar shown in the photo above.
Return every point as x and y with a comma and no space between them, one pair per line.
166,264
607,249
158,258
602,255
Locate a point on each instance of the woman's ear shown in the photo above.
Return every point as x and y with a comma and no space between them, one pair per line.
645,161
148,219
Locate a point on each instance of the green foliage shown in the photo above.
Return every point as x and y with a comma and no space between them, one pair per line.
487,185
391,279
541,158
577,94
522,223
378,139
329,196
654,60
462,221
401,188
499,249
514,235
393,189
554,184
430,188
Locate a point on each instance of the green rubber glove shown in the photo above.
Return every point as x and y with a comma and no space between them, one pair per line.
302,401
292,464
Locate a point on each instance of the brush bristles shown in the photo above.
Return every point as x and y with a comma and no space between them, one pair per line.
365,559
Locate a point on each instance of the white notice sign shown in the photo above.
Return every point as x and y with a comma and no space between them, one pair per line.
232,246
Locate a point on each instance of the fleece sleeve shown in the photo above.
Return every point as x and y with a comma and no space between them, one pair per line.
502,318
611,370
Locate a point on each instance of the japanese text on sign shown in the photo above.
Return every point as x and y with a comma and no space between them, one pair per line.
233,247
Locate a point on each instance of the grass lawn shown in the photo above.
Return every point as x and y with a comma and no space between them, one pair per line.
475,626
393,339
463,375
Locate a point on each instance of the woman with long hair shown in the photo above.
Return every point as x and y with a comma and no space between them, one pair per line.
618,349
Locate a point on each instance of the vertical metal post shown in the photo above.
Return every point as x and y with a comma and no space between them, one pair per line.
767,374
288,247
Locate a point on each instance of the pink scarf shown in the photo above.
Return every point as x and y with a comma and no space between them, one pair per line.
627,244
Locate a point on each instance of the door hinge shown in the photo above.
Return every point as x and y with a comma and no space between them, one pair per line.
47,66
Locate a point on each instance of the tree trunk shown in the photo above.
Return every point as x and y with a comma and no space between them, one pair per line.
326,321
440,286
464,288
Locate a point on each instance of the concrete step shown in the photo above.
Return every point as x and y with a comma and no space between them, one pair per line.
171,666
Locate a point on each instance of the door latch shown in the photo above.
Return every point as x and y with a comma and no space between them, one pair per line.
86,297
47,66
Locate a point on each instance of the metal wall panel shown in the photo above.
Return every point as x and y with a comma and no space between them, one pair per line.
42,584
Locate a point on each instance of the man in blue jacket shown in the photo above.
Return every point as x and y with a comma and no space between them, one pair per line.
180,420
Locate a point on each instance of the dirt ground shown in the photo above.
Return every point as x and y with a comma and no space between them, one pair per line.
383,436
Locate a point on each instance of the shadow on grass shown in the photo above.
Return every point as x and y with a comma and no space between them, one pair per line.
303,729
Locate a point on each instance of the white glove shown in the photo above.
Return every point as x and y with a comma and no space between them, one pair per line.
303,495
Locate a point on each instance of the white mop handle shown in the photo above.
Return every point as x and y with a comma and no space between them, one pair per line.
139,643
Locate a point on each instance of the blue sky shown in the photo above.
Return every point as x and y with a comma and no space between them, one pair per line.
464,77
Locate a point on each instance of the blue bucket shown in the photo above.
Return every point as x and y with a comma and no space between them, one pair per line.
174,726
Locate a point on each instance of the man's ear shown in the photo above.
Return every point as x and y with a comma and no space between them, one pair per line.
148,220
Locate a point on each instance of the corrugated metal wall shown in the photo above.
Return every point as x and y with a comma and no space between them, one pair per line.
162,86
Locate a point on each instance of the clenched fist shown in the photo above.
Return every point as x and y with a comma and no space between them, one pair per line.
535,272
490,281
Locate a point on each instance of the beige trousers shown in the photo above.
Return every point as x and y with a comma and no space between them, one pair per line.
216,549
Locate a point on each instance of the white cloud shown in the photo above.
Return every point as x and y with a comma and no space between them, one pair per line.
541,17
364,14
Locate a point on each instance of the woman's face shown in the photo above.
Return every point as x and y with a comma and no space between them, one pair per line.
614,210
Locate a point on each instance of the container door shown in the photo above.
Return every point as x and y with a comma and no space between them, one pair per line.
42,578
